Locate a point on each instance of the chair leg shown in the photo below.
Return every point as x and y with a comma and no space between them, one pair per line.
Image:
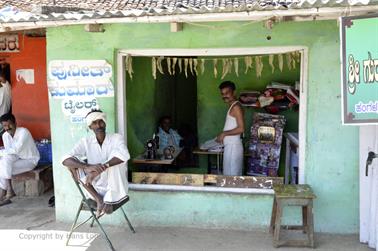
74,223
93,215
89,206
102,230
127,220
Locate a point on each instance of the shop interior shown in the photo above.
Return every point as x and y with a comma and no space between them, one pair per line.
185,89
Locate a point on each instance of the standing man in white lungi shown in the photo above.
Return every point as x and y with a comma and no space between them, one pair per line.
20,154
104,175
232,131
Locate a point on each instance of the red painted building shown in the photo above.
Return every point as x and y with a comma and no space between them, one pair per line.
29,100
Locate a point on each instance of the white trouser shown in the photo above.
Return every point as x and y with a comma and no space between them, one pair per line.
111,184
11,165
233,159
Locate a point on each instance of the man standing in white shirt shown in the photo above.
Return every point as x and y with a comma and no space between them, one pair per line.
5,95
20,154
104,175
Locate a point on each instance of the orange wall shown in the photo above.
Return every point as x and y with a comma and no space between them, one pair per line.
30,102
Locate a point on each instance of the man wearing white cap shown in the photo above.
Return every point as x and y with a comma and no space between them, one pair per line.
105,174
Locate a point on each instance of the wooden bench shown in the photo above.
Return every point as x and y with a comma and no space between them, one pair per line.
293,195
34,182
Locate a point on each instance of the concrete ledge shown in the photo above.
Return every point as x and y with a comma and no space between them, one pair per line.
34,182
175,188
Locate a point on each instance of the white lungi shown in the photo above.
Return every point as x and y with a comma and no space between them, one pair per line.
20,154
233,148
12,165
110,184
233,159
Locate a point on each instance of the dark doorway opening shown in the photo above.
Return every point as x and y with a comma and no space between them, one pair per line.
176,96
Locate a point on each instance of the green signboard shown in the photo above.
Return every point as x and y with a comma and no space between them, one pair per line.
359,41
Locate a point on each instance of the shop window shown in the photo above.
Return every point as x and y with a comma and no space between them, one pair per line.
185,90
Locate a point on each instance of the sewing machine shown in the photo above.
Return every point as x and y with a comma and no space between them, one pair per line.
152,146
168,152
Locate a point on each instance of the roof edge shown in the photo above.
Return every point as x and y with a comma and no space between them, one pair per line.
326,13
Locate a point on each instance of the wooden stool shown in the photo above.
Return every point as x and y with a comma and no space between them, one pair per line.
293,195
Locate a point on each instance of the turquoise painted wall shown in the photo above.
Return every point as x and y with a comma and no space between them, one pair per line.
332,149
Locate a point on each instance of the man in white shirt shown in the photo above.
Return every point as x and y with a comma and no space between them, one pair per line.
5,95
19,155
104,175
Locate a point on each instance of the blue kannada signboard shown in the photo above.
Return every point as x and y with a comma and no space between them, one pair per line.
359,51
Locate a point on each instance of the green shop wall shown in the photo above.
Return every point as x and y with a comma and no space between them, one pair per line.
331,161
